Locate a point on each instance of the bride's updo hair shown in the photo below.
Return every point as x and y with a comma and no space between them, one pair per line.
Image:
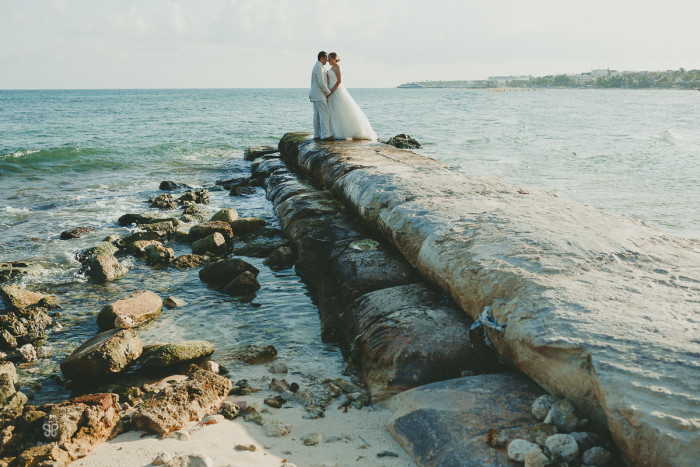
334,56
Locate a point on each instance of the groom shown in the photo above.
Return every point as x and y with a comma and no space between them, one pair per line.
318,94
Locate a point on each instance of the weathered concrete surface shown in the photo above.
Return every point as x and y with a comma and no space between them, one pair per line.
446,423
599,308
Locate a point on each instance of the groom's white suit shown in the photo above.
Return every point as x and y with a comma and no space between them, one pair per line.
318,94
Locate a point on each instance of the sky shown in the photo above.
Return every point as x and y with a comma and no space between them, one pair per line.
124,44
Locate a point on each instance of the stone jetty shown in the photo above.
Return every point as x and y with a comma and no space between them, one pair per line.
596,308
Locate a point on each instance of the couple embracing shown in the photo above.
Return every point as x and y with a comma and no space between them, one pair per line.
336,114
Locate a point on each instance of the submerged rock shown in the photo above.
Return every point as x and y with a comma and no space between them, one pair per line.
260,247
13,269
138,248
159,255
100,264
167,185
75,232
177,404
164,355
20,299
281,257
173,302
199,197
141,307
254,354
107,353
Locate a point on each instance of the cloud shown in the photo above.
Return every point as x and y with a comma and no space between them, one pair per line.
176,16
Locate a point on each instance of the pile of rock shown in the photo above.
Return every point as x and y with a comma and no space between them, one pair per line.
557,439
26,316
403,141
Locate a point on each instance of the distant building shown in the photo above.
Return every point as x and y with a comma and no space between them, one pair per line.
580,80
501,81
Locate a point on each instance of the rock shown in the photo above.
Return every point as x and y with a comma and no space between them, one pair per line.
539,432
277,429
281,257
404,141
542,405
190,219
189,460
28,353
229,410
190,261
254,152
7,388
200,231
259,247
200,394
246,447
213,419
192,210
136,236
278,367
312,439
164,355
535,458
141,306
107,353
596,456
163,458
563,416
75,232
164,201
225,215
124,322
585,439
221,273
180,435
247,225
167,185
20,299
211,366
230,183
199,197
138,248
214,244
497,438
562,447
243,284
312,413
14,269
305,397
276,401
162,228
83,422
241,190
100,265
8,368
45,454
446,423
254,354
387,454
278,385
135,219
518,449
159,255
19,326
173,302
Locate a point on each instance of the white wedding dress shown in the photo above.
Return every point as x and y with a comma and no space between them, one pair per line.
347,119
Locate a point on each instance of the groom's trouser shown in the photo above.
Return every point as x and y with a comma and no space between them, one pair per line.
321,120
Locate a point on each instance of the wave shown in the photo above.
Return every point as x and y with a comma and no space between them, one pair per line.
669,136
58,159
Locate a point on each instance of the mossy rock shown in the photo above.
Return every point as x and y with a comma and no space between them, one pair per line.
164,355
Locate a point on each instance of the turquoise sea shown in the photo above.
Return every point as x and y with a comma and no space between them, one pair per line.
83,158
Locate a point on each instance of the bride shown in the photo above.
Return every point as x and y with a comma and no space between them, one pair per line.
346,118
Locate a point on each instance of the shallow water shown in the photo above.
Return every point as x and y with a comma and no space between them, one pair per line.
83,158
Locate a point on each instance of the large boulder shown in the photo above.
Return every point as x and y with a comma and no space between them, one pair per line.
243,284
448,422
140,307
107,353
164,355
254,354
173,407
204,230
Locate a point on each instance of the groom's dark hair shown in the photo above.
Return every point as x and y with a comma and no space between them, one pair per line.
321,54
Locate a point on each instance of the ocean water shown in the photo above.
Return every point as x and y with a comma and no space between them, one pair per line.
83,158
